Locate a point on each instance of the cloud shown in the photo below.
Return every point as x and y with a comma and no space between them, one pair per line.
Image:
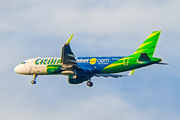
131,16
32,28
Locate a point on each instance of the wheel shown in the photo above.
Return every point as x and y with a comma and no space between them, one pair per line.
33,82
89,83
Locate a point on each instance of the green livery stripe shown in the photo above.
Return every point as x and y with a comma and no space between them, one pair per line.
112,65
132,72
131,62
116,65
53,69
149,45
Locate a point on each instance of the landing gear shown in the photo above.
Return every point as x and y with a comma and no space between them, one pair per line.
89,83
33,82
34,79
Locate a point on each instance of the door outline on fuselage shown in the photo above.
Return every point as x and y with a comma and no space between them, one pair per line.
39,69
126,61
35,69
30,70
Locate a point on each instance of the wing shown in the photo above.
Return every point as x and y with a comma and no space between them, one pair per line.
68,61
114,75
108,75
67,56
69,65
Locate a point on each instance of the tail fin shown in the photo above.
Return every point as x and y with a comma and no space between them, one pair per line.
148,45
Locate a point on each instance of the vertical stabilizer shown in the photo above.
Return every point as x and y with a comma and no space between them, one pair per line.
148,45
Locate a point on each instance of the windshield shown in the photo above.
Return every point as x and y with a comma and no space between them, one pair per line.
23,63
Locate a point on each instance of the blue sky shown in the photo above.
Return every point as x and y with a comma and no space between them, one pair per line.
31,28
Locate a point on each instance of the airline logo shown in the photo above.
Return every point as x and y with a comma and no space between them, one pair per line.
93,61
49,61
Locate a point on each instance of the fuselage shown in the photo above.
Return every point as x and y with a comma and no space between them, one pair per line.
46,66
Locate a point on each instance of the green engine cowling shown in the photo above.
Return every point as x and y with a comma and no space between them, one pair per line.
79,79
53,69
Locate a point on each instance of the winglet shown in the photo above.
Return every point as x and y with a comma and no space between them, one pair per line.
69,40
131,72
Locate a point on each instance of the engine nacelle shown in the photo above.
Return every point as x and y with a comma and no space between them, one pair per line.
79,79
53,69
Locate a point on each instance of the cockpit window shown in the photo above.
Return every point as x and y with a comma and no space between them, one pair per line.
23,63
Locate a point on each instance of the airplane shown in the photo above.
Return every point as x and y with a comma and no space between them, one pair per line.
81,69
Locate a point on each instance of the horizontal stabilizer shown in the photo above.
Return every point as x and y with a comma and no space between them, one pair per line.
131,72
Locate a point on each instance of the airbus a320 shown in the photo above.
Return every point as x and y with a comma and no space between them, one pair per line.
81,69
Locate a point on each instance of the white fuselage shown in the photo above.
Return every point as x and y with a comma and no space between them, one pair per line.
36,66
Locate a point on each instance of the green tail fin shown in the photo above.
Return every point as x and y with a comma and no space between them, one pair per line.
148,45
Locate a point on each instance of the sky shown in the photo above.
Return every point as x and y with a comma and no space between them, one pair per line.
39,28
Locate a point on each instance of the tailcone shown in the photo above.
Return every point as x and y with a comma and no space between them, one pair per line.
156,60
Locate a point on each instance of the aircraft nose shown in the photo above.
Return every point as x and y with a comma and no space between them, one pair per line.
22,69
17,69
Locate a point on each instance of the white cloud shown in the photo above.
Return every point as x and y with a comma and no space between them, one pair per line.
33,28
51,18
